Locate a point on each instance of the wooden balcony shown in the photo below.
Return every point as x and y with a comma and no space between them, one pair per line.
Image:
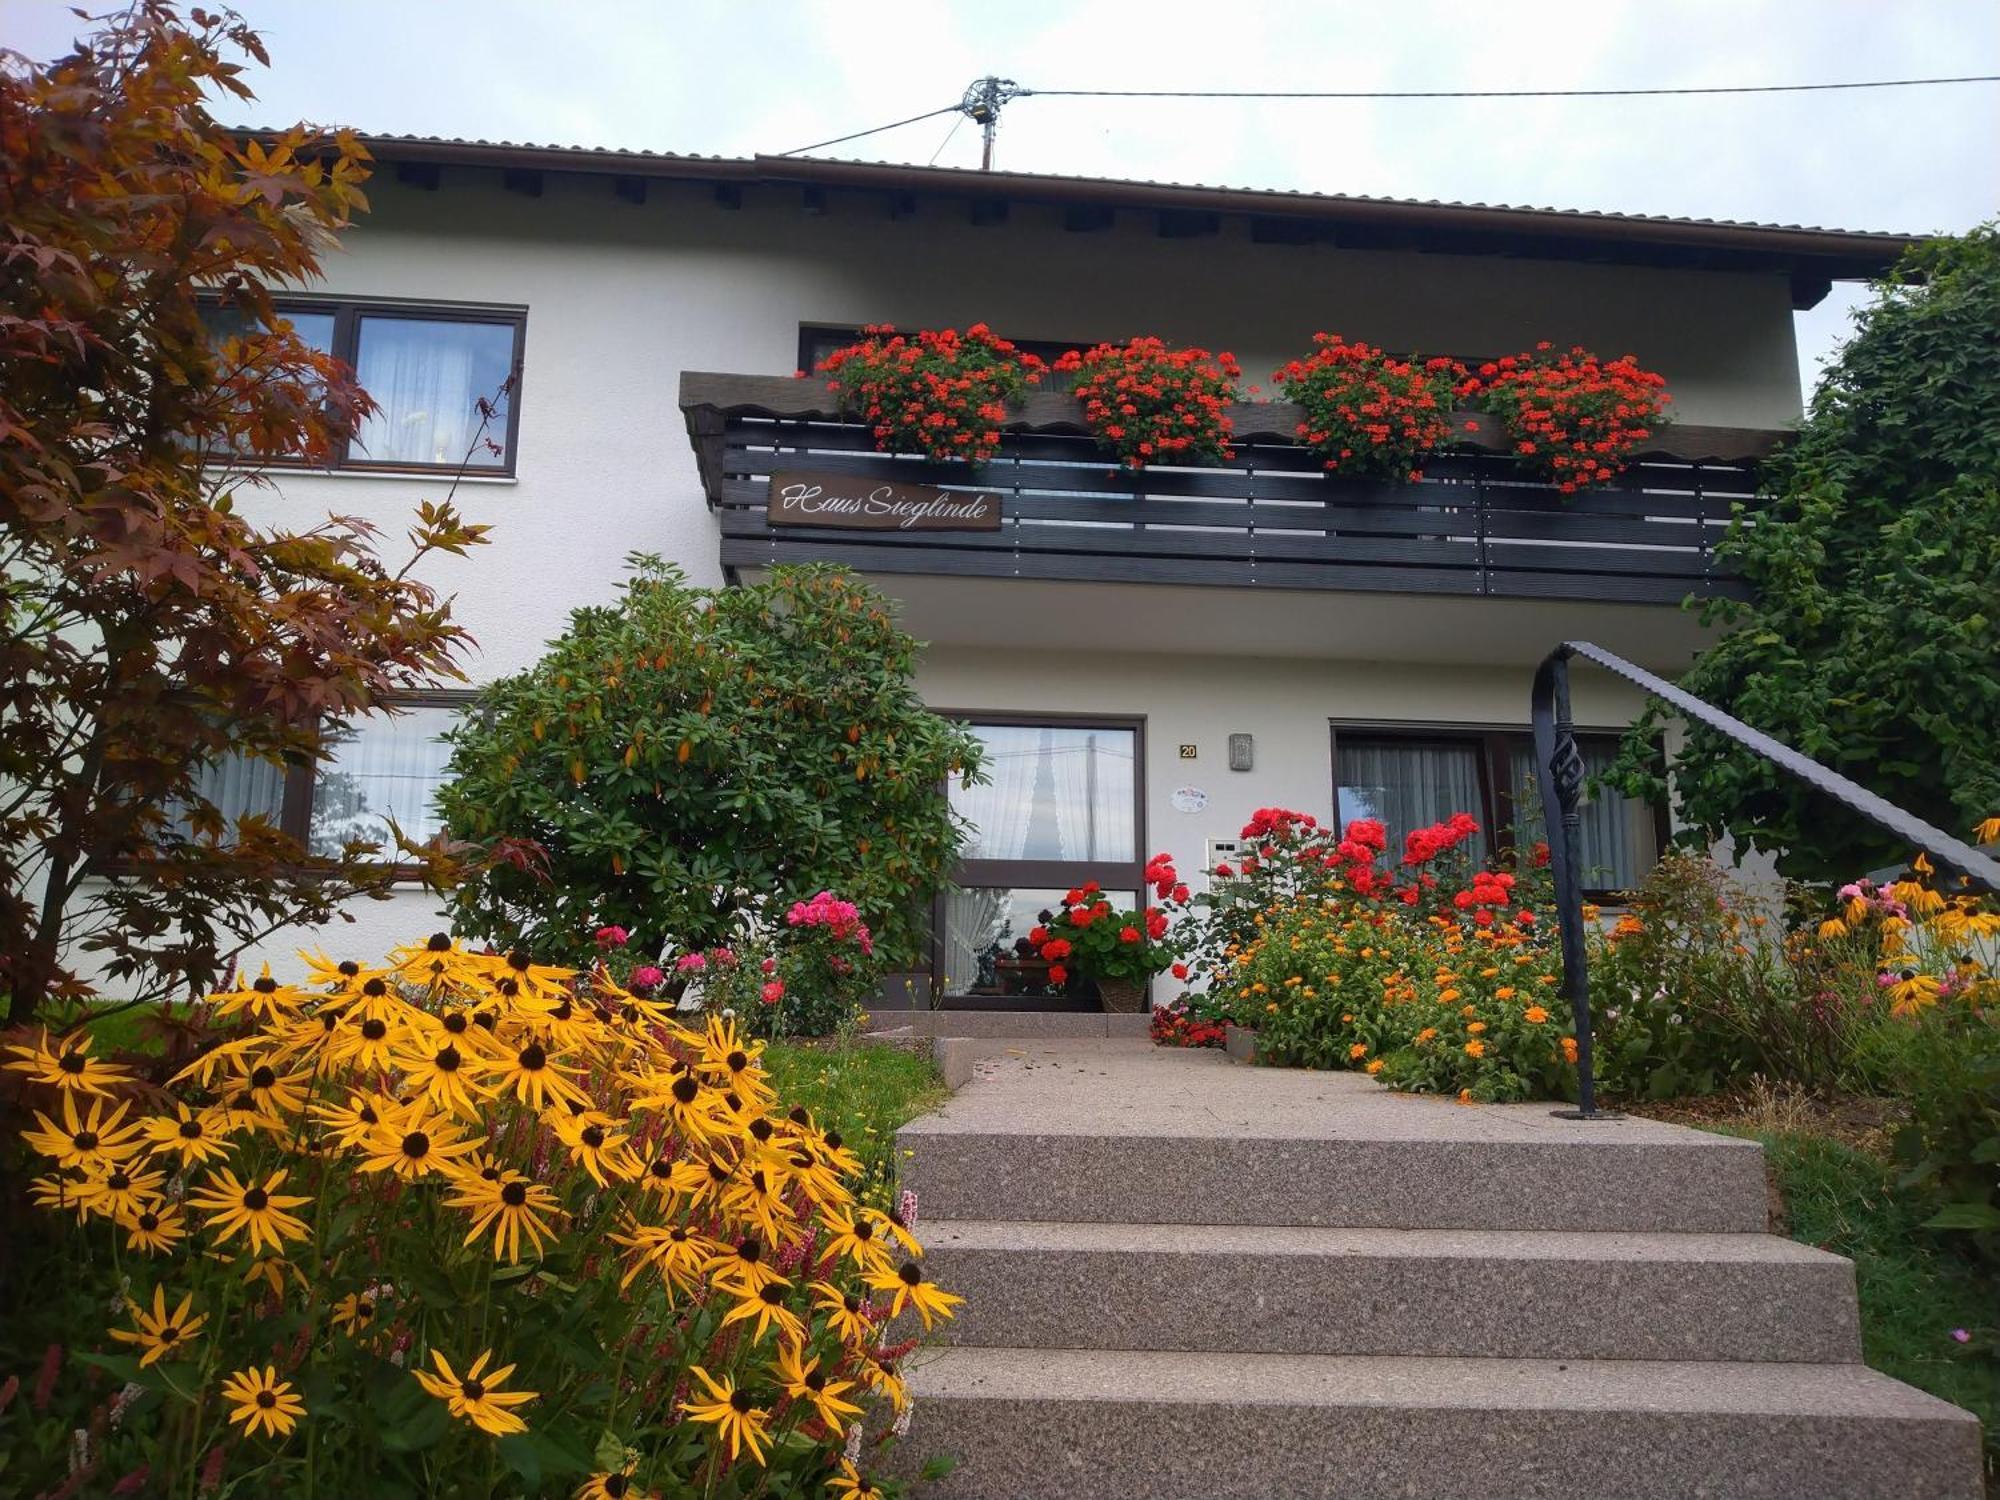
1268,518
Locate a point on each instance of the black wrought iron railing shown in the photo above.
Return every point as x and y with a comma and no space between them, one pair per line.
1559,777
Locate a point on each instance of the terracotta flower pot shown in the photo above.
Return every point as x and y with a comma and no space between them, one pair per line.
1125,996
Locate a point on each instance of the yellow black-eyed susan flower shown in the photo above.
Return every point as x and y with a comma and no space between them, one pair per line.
768,1305
803,1380
194,1136
678,1253
476,1396
849,1483
510,1205
257,1398
743,1267
154,1228
613,1484
92,1143
415,1144
67,1065
846,1314
126,1188
536,1078
738,1420
596,1142
257,1210
263,999
908,1288
158,1332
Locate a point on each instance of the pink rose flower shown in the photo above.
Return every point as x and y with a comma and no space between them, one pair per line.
646,979
611,936
773,992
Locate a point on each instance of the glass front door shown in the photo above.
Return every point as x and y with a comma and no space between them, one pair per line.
1061,805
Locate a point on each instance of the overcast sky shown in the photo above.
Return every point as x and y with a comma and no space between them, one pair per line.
735,77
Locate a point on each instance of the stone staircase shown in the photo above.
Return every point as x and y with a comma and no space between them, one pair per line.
1187,1279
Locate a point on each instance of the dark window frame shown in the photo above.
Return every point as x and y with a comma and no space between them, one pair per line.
347,314
1005,874
1495,744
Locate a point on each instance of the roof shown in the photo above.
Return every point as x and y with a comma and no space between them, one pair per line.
1812,256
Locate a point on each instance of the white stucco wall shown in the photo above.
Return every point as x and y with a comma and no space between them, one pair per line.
621,298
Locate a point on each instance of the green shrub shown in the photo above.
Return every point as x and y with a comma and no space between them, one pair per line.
688,762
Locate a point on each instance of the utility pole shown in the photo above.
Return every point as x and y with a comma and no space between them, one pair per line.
982,106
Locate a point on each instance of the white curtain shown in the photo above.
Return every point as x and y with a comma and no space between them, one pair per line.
381,767
1074,768
239,786
974,921
1409,786
426,378
999,810
1615,834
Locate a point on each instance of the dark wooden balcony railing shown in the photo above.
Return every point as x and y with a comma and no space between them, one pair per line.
1268,518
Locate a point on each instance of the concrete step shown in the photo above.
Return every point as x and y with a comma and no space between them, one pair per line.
1119,1425
1519,1294
1032,1025
1131,1134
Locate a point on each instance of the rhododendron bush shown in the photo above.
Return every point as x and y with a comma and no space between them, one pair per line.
687,763
1413,964
1150,404
461,1224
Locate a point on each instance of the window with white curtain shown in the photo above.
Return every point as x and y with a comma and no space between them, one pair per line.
427,377
1053,792
379,768
426,366
1411,778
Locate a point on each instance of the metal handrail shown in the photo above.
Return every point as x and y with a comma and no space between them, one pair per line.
1559,777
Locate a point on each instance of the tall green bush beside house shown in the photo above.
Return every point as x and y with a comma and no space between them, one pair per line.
688,762
1873,632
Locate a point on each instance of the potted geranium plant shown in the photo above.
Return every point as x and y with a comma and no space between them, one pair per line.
1151,404
1368,413
942,393
1121,950
1576,417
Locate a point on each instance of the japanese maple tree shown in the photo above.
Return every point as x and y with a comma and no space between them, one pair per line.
149,628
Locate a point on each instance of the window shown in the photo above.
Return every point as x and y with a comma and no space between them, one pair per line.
427,367
1410,778
1060,807
378,767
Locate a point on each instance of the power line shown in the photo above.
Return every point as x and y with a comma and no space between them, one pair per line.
984,99
1741,88
877,130
946,141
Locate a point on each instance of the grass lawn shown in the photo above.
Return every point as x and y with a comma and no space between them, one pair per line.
863,1090
1916,1289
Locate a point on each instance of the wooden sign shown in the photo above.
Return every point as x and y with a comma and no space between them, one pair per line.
858,503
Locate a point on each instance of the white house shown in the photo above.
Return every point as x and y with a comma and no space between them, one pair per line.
1372,655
